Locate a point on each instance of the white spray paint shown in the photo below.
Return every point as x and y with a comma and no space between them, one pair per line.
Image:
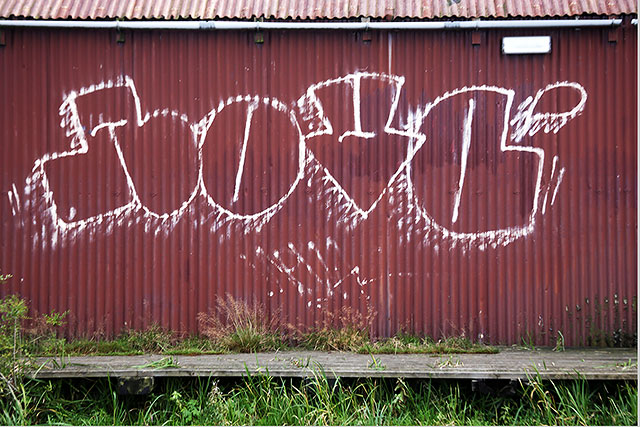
546,194
312,110
79,146
555,181
527,121
356,114
503,236
558,182
162,220
309,264
243,152
494,237
256,220
14,200
466,142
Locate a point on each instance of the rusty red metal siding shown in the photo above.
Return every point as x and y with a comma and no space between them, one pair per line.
295,9
453,189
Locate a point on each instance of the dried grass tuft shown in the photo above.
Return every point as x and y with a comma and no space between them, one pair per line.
344,330
238,326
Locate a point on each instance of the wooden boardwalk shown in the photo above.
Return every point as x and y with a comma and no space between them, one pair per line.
510,363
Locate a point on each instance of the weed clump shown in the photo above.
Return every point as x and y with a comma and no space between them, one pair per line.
345,330
17,342
154,339
242,327
237,326
13,311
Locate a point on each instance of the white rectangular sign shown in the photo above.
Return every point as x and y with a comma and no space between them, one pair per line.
526,45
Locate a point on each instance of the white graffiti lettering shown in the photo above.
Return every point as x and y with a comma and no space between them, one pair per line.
528,121
356,116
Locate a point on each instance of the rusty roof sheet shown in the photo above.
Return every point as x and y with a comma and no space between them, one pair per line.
309,9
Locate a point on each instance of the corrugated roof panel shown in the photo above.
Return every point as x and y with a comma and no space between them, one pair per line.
291,9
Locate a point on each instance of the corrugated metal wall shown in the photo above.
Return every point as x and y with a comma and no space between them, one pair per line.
451,188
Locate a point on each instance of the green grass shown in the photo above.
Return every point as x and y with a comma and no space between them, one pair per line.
164,363
404,343
263,400
238,326
156,341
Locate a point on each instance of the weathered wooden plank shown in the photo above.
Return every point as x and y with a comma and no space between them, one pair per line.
509,363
